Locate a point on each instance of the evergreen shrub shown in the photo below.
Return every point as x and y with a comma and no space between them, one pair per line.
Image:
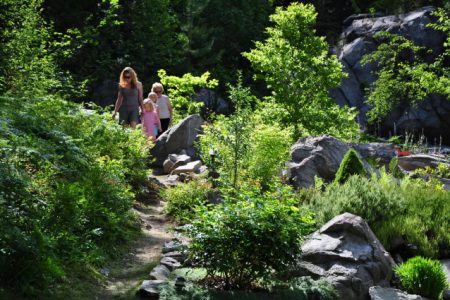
422,276
351,165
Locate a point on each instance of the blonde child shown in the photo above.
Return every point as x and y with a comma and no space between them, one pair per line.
150,120
154,97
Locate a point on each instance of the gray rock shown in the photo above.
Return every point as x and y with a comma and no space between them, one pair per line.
431,116
160,272
174,161
347,253
168,166
178,255
380,293
446,267
174,245
191,167
416,161
150,289
316,156
178,138
385,152
170,262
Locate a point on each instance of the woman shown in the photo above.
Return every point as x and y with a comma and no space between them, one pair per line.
129,98
164,106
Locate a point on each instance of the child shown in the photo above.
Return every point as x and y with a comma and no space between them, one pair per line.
154,97
150,120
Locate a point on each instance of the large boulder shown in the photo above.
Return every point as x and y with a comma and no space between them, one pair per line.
178,138
347,254
316,156
380,293
431,116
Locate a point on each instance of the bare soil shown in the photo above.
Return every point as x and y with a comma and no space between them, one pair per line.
126,275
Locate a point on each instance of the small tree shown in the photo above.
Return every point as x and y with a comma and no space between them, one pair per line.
350,165
296,66
182,92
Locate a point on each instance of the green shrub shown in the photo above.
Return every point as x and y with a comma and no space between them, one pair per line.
374,199
249,236
425,220
183,199
422,276
66,193
351,165
410,208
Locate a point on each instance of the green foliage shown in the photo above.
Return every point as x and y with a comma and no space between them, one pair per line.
26,66
269,152
410,208
229,138
404,75
422,276
303,288
442,170
65,189
372,199
296,66
351,165
246,146
182,92
183,199
235,241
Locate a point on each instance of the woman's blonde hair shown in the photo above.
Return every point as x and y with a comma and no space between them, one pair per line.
157,85
132,73
149,103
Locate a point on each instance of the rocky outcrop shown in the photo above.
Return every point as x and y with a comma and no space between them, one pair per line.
316,156
431,116
380,293
347,254
178,138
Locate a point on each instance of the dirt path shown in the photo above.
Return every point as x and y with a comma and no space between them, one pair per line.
125,276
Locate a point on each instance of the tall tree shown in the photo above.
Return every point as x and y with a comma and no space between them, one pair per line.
296,66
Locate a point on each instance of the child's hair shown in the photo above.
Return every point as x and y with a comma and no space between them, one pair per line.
152,94
148,103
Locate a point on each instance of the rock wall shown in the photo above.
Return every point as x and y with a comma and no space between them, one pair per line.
431,116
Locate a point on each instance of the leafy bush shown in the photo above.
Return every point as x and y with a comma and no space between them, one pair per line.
351,165
183,199
65,188
249,236
422,276
183,94
246,147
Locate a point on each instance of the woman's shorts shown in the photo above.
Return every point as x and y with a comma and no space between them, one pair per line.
128,115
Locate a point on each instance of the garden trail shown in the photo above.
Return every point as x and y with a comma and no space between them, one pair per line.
126,275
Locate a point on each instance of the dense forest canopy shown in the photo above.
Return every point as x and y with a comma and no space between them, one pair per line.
94,40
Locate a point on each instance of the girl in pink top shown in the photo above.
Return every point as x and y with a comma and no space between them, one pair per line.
150,120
